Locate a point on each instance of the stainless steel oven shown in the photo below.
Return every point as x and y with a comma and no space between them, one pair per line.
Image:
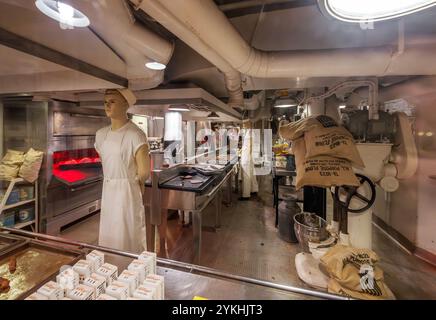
70,181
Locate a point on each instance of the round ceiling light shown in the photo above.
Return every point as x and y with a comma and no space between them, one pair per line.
62,12
155,66
372,10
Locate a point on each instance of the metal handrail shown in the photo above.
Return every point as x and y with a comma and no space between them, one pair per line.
188,267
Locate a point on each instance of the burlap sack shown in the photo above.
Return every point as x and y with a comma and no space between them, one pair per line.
296,130
334,142
13,158
354,271
8,172
385,293
10,164
29,170
322,171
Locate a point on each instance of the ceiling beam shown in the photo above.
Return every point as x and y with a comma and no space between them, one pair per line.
242,8
35,49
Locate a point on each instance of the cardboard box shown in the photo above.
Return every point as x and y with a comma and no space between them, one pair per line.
140,266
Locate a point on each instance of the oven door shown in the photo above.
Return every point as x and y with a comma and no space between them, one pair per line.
63,198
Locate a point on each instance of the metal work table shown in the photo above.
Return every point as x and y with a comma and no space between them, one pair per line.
185,281
158,200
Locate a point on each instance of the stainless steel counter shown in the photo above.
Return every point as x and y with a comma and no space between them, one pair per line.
157,200
184,281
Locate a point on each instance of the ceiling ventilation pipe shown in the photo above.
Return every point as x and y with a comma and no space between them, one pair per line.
203,20
112,21
232,77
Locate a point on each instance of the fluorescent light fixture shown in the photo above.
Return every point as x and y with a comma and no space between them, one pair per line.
179,108
155,66
372,10
342,106
285,103
62,12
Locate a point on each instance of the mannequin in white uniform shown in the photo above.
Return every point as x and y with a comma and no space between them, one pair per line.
124,152
249,180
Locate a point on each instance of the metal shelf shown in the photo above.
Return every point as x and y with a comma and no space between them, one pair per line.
21,203
24,224
4,207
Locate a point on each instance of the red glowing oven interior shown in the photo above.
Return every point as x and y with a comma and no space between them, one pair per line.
73,166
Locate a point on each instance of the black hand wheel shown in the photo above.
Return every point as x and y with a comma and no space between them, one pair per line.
352,193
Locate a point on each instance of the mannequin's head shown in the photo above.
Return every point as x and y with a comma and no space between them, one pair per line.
115,105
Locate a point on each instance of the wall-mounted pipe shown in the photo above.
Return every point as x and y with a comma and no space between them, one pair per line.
203,19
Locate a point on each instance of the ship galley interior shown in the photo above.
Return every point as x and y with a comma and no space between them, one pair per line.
217,149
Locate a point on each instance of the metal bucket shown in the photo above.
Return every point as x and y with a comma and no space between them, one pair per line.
309,228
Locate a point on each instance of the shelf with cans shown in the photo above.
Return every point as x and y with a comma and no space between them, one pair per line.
19,204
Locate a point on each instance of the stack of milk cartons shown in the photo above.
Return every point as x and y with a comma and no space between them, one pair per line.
93,279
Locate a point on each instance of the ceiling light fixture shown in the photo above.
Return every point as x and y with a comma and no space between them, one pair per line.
179,108
62,12
155,66
372,10
285,103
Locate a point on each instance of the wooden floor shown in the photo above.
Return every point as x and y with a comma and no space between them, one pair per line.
248,244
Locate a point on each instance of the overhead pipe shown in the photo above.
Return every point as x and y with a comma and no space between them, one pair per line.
372,93
204,20
232,77
113,22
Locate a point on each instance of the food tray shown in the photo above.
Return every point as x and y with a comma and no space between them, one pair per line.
37,263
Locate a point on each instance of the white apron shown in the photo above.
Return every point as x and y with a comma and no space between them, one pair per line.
249,180
122,219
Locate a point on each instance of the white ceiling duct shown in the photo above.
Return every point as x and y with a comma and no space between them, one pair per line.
204,20
256,101
232,77
113,22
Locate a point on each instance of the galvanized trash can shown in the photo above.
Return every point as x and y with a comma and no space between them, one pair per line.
288,208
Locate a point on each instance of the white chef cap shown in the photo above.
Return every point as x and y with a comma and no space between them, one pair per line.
128,95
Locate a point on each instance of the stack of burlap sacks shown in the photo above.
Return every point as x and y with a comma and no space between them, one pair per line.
19,164
324,152
324,155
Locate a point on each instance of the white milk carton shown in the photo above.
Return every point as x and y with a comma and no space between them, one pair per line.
96,258
150,258
105,296
36,296
145,292
81,292
119,290
140,266
52,291
97,282
109,271
131,278
158,280
68,280
83,268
